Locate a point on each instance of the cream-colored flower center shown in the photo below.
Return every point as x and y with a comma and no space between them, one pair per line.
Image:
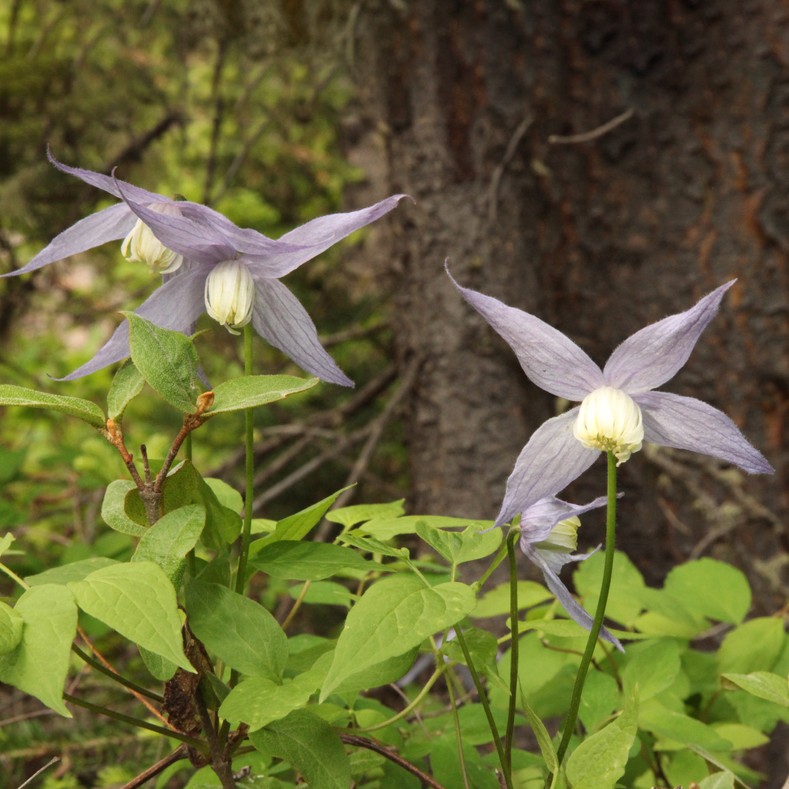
563,536
142,246
230,295
609,420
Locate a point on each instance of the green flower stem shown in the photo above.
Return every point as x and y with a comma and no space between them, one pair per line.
249,440
486,706
508,737
583,668
450,680
140,724
406,711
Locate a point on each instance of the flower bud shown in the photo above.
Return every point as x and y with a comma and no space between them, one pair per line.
609,420
142,246
230,295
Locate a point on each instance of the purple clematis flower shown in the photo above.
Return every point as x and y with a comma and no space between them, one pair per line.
618,407
209,264
549,535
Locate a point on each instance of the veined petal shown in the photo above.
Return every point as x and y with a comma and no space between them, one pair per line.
538,521
247,242
194,240
109,183
653,355
687,423
109,224
549,462
279,318
562,593
305,242
549,358
175,305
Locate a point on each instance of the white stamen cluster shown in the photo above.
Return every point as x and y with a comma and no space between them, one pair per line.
142,246
230,295
609,420
563,536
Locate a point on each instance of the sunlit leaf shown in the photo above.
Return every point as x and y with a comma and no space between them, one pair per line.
39,663
73,406
137,600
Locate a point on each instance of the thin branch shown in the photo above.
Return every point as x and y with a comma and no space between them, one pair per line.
573,139
383,750
155,769
38,772
137,722
376,429
495,180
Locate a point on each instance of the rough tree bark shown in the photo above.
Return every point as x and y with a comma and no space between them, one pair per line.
598,237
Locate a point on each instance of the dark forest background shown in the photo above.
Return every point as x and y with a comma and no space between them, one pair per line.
600,163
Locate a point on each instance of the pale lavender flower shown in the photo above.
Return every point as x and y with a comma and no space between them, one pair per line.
549,535
618,407
209,263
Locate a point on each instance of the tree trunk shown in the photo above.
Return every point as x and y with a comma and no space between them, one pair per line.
598,236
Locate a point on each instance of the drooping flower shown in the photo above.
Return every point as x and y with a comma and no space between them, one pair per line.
618,407
200,251
549,535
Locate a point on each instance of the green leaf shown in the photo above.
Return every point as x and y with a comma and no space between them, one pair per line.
10,628
113,508
711,589
667,616
259,701
237,630
674,726
225,494
74,571
651,668
371,545
323,593
741,737
169,540
238,394
601,697
543,738
310,745
497,600
309,561
183,486
160,668
167,360
73,406
599,761
297,526
762,684
126,385
376,676
137,600
359,513
393,616
717,781
388,528
6,542
627,585
39,663
474,542
753,646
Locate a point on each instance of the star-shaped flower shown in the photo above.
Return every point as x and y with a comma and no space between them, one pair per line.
209,264
618,407
549,535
